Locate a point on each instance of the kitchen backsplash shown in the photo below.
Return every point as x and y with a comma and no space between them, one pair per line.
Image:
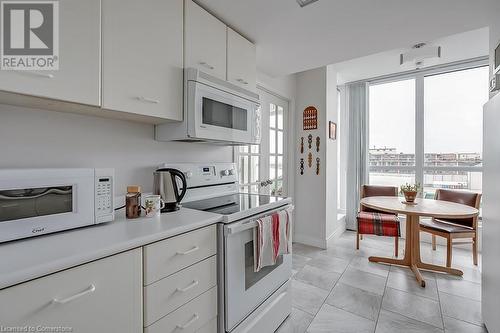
32,138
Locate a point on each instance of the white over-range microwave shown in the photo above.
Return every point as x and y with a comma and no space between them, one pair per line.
40,201
215,111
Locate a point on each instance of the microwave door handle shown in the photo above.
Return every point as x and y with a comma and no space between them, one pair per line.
49,191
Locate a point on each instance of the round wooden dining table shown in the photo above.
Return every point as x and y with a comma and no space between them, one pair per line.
413,212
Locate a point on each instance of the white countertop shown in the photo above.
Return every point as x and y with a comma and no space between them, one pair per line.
31,258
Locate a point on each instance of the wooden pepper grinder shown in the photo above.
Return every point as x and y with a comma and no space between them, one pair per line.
317,165
302,145
310,140
310,159
301,166
317,143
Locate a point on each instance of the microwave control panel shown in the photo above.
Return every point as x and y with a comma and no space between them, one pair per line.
104,210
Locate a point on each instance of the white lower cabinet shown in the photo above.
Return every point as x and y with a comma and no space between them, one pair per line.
171,292
182,295
192,317
101,296
109,295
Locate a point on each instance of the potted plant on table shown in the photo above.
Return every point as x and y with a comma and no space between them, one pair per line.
410,191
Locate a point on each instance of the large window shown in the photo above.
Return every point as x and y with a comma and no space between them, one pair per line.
392,133
428,129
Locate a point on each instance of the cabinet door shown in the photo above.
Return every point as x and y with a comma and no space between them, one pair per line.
102,296
205,41
241,61
142,57
78,76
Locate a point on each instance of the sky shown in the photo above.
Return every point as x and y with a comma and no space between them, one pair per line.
453,115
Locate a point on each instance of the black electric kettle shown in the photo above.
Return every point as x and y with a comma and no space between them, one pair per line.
166,185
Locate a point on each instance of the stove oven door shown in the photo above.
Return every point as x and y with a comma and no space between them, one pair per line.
245,289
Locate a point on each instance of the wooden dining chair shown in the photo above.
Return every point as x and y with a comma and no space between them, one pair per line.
454,228
374,222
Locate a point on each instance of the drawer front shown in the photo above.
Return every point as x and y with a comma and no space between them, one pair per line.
210,327
189,318
166,257
101,296
166,295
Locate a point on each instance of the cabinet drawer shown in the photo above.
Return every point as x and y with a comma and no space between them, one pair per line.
166,257
101,296
166,295
210,327
189,318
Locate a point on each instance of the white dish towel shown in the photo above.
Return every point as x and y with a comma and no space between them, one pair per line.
272,238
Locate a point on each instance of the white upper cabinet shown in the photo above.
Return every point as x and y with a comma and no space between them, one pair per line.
77,79
142,57
204,41
241,61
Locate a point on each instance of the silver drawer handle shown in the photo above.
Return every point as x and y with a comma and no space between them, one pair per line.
194,249
242,81
47,76
189,323
89,290
147,100
191,286
207,65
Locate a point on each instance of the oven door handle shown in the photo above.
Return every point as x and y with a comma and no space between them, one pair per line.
250,224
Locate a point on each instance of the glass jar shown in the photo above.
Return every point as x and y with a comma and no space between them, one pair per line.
133,202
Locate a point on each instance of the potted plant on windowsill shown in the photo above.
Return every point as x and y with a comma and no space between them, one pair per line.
410,192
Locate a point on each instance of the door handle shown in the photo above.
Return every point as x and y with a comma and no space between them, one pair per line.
206,65
189,323
194,249
191,286
147,100
89,290
266,182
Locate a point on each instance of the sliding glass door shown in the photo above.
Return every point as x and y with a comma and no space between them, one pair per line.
427,128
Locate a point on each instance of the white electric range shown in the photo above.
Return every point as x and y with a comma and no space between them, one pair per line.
248,301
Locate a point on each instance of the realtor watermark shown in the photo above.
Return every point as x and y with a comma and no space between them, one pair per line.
29,35
37,328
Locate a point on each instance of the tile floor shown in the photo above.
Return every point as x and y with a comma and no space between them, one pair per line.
339,291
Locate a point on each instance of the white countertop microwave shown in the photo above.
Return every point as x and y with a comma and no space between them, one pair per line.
215,111
40,201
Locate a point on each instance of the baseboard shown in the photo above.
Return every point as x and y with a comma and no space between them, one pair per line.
308,240
338,231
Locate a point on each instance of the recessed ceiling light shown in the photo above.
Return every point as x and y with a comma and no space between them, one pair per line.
304,3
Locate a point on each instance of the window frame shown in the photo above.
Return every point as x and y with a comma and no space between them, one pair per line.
419,75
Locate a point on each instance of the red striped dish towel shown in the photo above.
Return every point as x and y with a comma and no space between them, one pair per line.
272,238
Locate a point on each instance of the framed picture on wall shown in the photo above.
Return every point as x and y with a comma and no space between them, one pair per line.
332,133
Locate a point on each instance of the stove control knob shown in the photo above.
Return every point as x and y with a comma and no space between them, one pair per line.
231,172
188,174
225,172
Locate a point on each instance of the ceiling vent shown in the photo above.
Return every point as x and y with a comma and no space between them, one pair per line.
421,54
304,3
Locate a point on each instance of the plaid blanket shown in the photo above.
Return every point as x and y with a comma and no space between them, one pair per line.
378,224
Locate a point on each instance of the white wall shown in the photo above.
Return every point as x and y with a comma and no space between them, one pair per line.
494,41
331,154
315,195
38,138
282,85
